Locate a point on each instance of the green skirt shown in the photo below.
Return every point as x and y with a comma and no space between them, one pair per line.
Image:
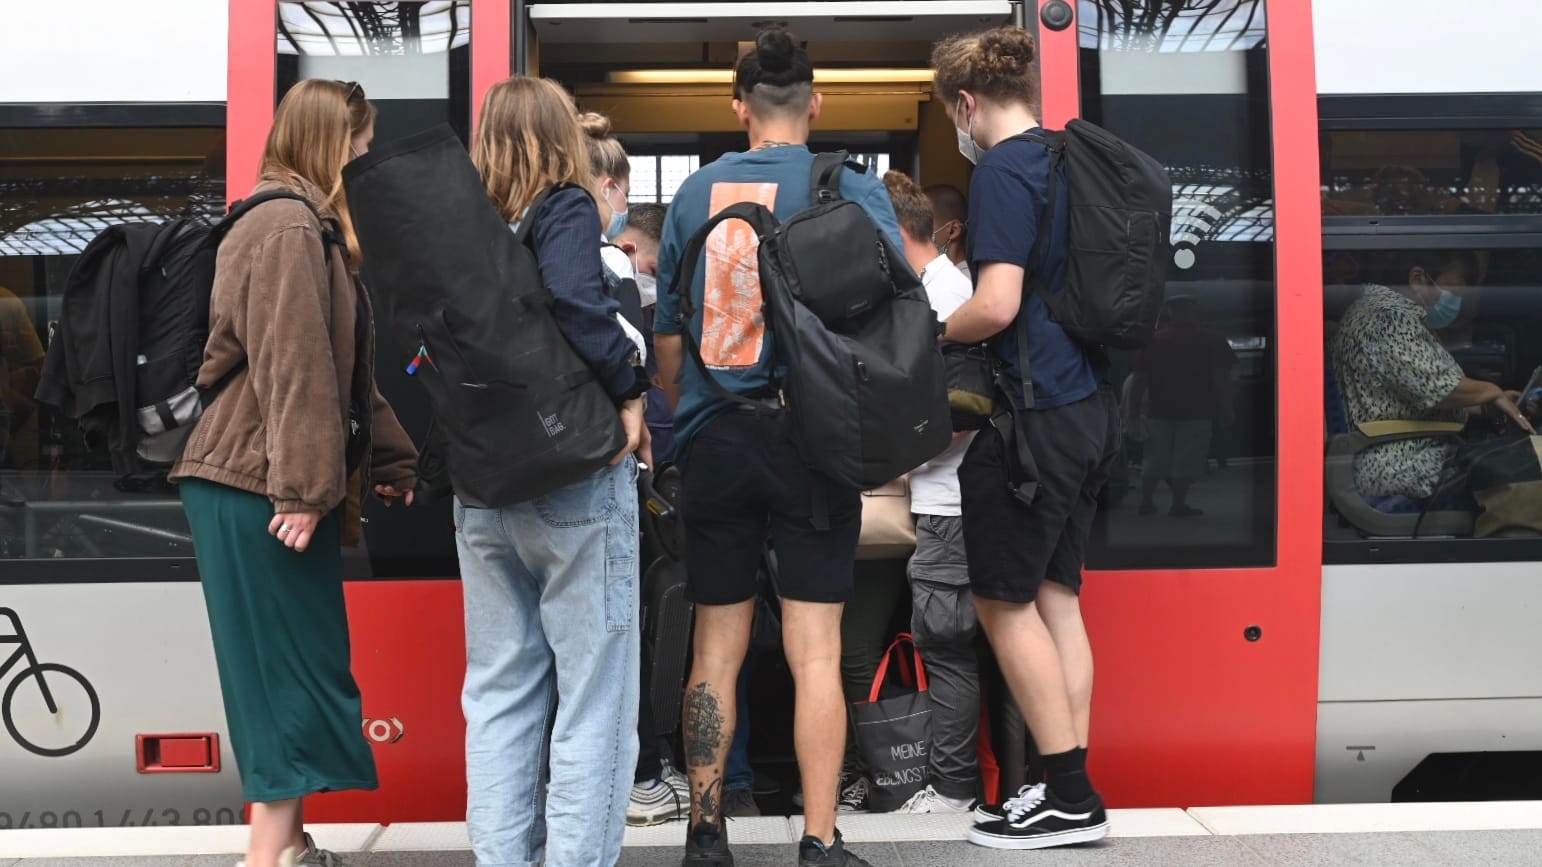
280,631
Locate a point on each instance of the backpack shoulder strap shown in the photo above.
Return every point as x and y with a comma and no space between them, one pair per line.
825,178
764,223
331,233
1054,142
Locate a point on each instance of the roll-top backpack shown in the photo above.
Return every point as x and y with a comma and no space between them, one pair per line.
864,384
1121,211
154,281
517,413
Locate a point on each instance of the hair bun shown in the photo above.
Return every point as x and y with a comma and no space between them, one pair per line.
775,51
1007,52
595,125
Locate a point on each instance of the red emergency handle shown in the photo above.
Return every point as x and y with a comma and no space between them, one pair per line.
178,753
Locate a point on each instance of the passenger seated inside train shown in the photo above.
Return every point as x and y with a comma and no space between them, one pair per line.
1397,380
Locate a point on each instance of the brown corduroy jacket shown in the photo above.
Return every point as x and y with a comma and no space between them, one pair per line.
288,307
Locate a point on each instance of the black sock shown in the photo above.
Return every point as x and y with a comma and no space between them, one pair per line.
1066,775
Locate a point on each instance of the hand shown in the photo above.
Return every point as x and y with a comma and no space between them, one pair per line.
294,529
645,447
1504,404
632,423
390,493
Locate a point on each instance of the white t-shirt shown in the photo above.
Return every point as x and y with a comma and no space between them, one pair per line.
934,485
963,267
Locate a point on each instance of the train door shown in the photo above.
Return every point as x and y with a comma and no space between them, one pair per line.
1203,602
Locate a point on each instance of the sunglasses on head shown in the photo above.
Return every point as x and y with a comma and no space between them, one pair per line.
353,88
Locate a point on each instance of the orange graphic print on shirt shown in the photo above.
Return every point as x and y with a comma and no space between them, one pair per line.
733,323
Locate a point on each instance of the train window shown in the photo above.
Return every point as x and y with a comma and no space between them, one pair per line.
656,178
1431,172
59,188
1195,485
413,60
1429,343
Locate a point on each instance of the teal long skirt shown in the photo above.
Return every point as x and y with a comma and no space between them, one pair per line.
280,631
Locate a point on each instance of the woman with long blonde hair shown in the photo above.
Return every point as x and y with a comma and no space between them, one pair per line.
274,473
550,585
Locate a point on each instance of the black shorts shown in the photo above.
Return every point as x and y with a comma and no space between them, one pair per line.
743,478
1013,548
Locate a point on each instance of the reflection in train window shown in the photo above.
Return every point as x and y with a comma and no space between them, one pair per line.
1196,482
1430,347
412,58
1429,172
59,188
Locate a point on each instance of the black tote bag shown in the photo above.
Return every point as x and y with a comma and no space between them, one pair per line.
894,735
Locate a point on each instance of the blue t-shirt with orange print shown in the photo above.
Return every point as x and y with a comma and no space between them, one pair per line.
729,323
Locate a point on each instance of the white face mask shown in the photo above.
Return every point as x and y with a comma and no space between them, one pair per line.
648,288
966,143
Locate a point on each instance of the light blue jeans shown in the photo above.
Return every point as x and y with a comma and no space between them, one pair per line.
551,687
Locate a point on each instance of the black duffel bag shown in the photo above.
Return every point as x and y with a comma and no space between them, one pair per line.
517,412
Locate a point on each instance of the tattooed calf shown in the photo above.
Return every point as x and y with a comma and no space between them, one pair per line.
703,727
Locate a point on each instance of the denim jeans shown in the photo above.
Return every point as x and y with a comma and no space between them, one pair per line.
550,590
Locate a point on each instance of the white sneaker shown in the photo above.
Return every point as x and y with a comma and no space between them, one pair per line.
929,800
677,781
655,802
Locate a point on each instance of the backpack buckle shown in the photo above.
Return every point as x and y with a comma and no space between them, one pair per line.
826,197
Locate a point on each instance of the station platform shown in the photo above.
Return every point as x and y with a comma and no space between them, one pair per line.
1492,834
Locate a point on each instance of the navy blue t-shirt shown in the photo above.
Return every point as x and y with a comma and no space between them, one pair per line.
1006,195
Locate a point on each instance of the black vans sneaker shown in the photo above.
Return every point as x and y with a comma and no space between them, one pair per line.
707,846
1040,820
812,852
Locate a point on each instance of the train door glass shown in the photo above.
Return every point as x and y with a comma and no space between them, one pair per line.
61,186
1188,84
413,60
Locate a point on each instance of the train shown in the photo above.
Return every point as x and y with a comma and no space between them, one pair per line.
1296,643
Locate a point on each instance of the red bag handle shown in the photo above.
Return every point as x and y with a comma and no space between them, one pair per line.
883,665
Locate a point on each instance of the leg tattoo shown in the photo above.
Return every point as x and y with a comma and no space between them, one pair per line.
703,727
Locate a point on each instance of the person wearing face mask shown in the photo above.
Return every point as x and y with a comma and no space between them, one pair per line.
612,185
1390,364
1025,561
950,214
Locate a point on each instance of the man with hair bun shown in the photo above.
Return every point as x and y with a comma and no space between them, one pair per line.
741,470
1025,561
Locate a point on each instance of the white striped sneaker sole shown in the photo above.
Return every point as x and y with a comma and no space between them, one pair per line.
1038,841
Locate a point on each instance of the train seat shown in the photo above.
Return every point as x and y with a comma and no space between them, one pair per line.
1385,516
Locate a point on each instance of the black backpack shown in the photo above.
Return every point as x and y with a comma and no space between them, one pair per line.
517,412
864,386
159,323
1121,213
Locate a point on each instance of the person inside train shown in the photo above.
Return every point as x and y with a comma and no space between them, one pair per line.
1025,562
1183,383
1390,365
550,585
950,214
272,477
639,239
942,617
742,472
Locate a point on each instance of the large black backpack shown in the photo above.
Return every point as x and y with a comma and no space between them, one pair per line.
156,278
864,383
517,412
1121,212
